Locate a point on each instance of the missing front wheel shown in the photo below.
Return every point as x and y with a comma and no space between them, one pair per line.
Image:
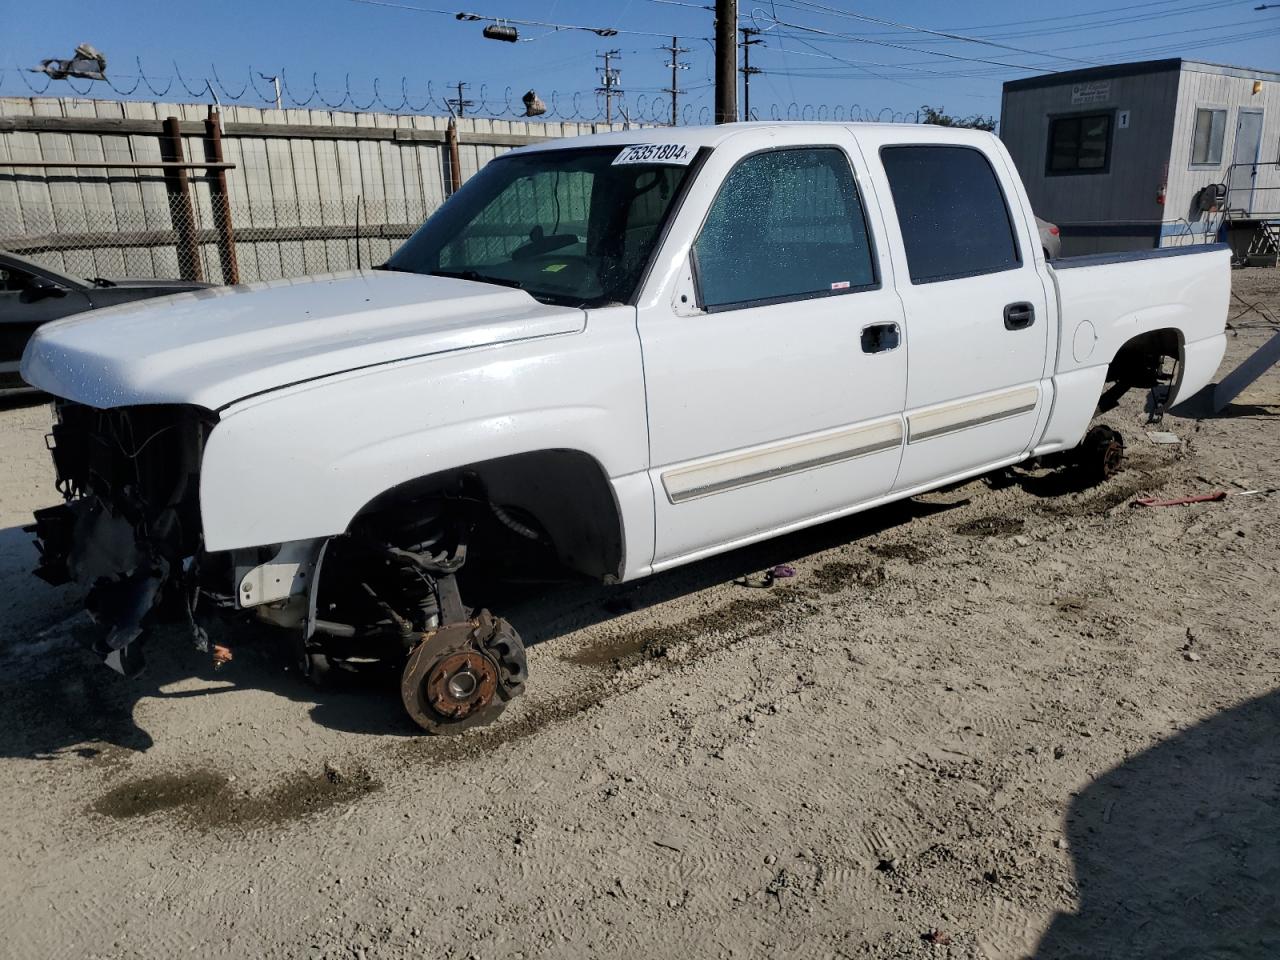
463,674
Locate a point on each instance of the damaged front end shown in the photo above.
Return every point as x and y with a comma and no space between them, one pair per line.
129,531
385,591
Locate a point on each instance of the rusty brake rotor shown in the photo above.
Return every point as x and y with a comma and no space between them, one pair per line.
452,681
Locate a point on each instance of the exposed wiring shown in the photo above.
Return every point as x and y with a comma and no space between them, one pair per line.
1256,308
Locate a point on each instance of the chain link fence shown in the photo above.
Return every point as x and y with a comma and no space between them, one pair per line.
209,238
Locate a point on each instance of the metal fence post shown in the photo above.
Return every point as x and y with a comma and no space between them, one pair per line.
221,199
455,161
180,207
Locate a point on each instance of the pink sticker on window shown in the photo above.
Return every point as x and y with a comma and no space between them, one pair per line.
840,285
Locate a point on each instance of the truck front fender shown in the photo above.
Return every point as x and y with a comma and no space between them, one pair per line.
301,463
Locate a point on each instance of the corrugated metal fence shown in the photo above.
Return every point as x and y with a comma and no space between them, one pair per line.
297,186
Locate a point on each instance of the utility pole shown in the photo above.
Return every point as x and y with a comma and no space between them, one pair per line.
726,61
675,50
460,105
610,77
750,38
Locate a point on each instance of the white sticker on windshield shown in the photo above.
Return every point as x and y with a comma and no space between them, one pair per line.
672,154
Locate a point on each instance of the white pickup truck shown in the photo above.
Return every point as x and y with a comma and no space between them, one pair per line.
612,355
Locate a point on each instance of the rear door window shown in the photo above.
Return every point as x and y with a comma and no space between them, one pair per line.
786,225
953,214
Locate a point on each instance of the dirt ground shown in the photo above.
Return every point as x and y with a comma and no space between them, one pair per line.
1005,720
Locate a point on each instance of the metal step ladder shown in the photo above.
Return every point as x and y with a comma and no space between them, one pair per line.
1264,248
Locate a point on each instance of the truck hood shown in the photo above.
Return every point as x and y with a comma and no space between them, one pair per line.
212,347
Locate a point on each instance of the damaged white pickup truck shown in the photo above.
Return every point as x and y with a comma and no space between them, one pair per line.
611,355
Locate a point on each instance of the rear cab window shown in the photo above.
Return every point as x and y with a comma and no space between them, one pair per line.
952,212
786,224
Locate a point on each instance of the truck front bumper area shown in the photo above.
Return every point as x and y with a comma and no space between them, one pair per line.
129,531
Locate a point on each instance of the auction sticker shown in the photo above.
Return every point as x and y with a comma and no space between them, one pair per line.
673,154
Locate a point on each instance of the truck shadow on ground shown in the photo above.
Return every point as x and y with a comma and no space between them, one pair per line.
1200,406
56,696
1177,850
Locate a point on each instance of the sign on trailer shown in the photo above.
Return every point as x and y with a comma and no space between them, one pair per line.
1094,91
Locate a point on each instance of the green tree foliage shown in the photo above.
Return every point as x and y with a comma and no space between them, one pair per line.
940,117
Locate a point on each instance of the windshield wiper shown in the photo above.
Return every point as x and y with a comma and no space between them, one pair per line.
477,276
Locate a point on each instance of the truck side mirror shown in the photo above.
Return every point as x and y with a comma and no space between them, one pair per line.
40,288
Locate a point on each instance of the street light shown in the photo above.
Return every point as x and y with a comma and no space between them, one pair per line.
501,31
501,28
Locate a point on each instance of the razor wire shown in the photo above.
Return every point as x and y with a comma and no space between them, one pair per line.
584,106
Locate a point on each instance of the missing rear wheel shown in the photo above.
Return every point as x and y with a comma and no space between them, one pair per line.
1101,454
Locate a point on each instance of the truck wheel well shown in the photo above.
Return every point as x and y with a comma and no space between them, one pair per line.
1141,363
1138,363
565,492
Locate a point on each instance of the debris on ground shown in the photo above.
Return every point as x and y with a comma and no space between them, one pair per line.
1180,501
760,581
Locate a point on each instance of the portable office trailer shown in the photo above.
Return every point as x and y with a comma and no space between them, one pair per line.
1118,156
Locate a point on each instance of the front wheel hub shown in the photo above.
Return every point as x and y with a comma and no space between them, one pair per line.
461,683
462,675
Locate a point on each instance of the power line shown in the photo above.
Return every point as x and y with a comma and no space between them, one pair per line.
982,41
1080,19
598,31
1076,25
1074,22
861,66
1082,25
900,46
1156,36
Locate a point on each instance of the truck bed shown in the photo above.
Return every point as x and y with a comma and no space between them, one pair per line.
1107,299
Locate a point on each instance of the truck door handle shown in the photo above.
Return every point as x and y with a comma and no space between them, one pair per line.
880,337
1019,316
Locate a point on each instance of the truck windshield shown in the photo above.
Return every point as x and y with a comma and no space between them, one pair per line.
567,226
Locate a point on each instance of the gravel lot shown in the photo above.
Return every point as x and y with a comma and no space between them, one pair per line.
1005,720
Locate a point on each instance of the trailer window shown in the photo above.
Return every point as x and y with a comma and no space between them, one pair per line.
952,212
1080,144
1206,142
786,225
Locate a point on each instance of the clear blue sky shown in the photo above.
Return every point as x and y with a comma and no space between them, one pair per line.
815,53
